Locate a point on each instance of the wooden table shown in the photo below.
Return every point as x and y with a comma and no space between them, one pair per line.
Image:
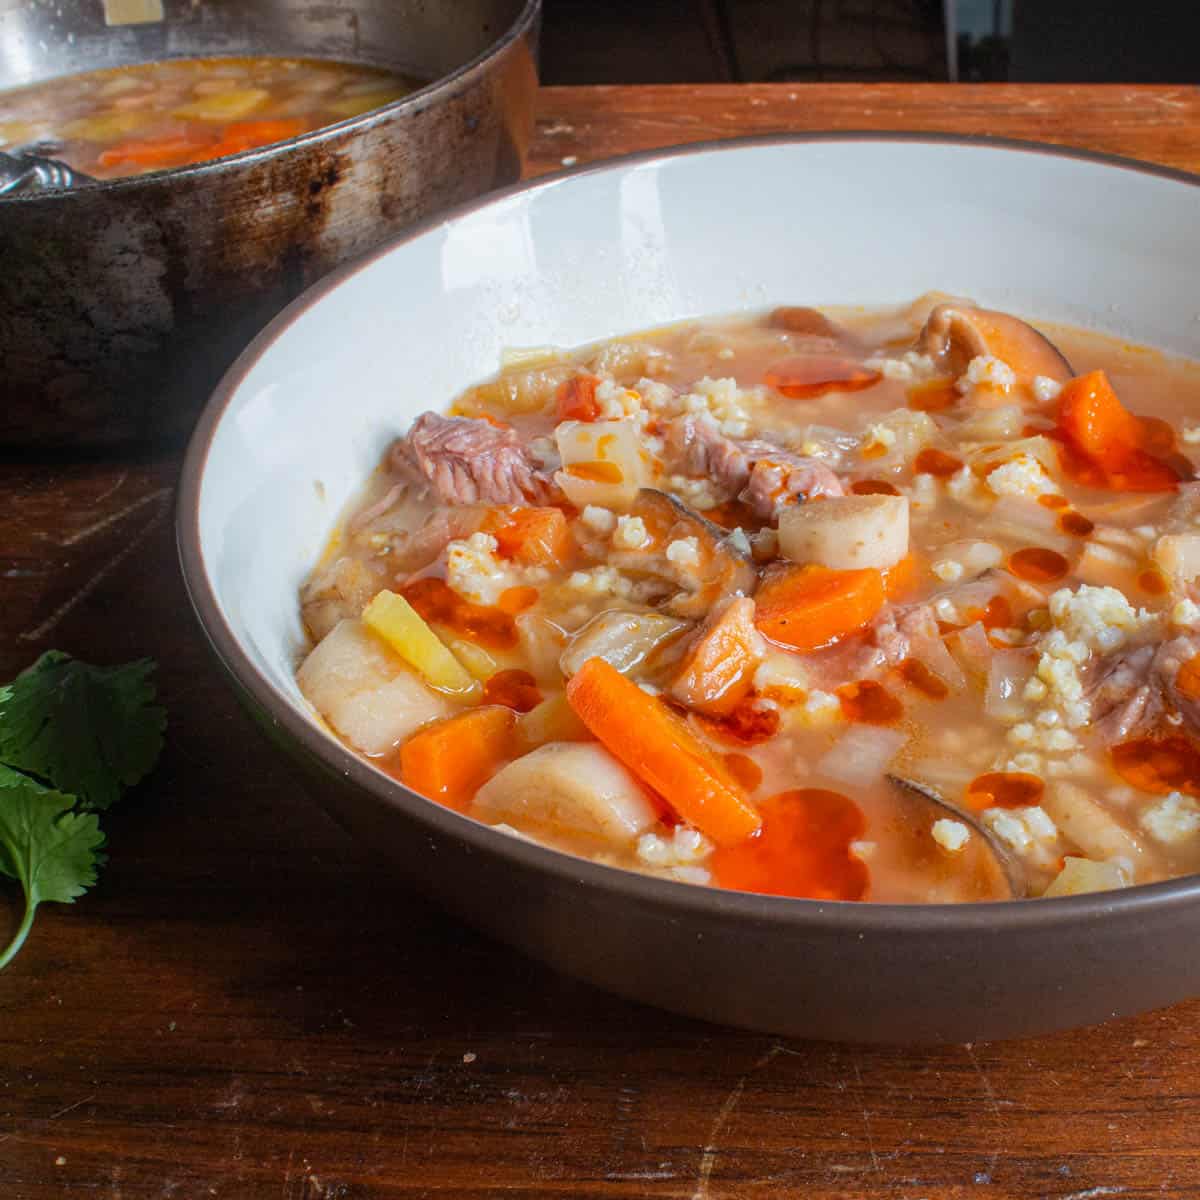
247,1006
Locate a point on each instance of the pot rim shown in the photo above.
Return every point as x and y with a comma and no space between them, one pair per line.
433,93
672,899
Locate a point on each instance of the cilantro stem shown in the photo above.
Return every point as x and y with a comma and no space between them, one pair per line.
14,947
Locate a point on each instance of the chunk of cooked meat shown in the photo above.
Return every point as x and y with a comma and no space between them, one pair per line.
1134,689
887,643
956,333
467,460
337,591
762,474
693,445
779,477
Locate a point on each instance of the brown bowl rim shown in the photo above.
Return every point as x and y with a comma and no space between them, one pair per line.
849,918
429,94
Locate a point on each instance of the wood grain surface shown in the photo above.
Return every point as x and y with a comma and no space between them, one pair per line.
249,1006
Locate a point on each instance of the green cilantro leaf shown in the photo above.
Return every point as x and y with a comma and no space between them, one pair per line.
52,851
85,730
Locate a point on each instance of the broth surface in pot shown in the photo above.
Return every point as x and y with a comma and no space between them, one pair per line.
132,120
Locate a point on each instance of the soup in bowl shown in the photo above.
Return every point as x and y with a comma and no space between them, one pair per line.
656,657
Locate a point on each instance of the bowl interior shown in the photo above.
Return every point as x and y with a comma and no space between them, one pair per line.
304,417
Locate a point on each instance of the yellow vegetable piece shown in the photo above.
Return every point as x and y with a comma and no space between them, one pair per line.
224,106
107,126
15,132
355,106
393,619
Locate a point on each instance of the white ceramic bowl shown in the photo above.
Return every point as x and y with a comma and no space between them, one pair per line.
303,417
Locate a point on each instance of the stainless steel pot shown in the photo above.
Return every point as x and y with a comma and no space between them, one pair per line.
122,303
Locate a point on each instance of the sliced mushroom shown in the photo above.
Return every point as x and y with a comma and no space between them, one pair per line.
1000,873
719,567
956,333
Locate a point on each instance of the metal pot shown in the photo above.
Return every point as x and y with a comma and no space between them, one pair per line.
122,303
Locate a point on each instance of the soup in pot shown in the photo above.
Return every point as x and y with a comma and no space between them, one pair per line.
132,120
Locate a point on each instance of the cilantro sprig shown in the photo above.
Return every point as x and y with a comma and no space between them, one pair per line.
72,738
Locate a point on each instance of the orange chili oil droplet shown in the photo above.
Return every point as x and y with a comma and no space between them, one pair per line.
874,450
934,395
1159,764
1152,582
810,375
1052,500
596,472
869,702
1004,789
874,487
1188,679
798,319
1038,565
748,724
514,689
997,614
917,675
439,604
515,600
932,461
1074,523
733,514
802,849
744,769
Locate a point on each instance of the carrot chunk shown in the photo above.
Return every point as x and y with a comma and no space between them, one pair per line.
1102,431
810,607
576,399
534,537
656,745
451,759
172,150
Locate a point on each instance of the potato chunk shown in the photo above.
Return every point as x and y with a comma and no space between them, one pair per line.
602,463
846,532
1080,875
572,786
367,693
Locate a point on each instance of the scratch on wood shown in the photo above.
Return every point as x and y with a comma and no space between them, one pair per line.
708,1155
1089,1193
62,1112
99,526
866,1116
51,622
993,1106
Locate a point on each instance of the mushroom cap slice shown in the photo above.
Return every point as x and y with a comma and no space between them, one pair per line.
954,334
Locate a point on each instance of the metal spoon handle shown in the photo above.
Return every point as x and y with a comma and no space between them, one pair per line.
20,173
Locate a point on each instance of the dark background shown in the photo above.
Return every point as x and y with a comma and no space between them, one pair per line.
704,41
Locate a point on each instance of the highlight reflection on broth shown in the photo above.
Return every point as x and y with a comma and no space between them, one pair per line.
132,120
855,605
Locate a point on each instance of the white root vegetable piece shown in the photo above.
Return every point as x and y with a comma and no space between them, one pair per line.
861,756
1081,875
574,786
602,463
846,532
623,639
1178,556
718,667
365,691
1096,832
